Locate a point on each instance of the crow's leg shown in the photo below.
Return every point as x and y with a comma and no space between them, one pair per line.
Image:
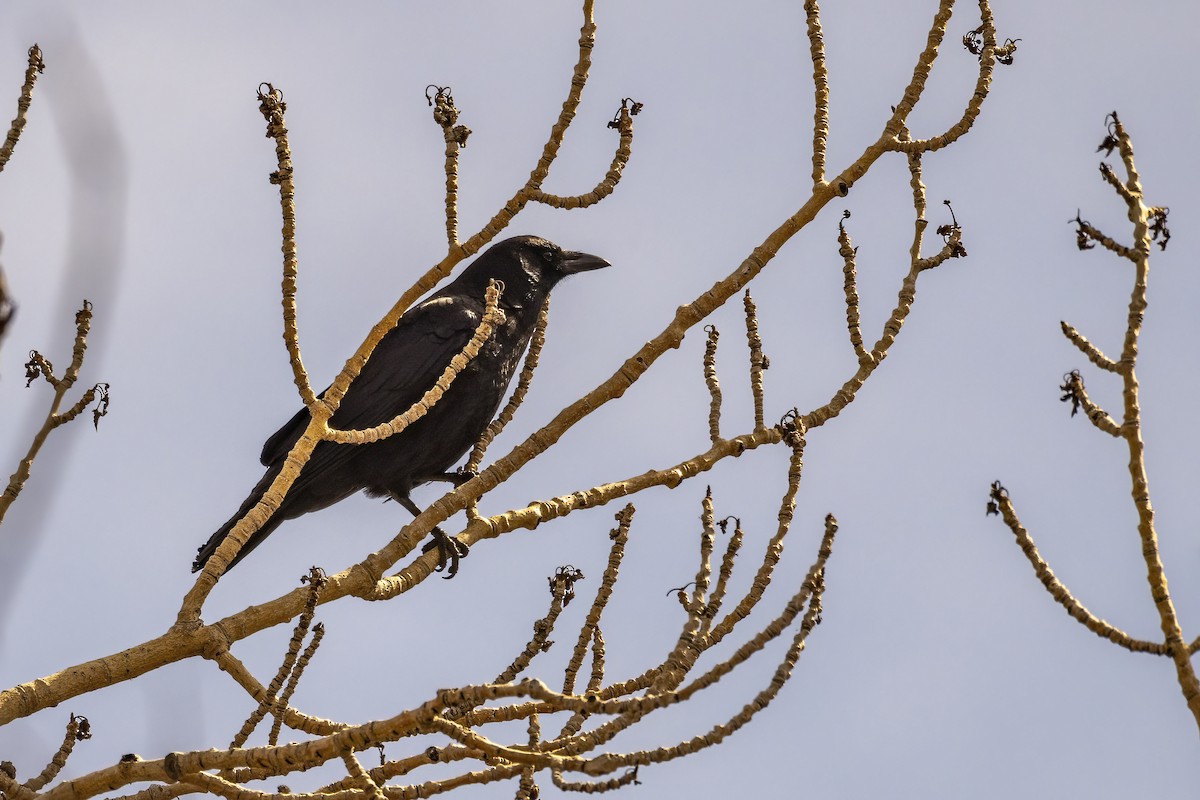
457,478
450,550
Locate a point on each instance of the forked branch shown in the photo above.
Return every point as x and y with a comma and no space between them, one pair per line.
1149,226
38,366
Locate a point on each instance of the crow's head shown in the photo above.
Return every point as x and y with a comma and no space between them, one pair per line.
529,267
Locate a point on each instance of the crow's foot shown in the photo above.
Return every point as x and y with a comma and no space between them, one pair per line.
450,551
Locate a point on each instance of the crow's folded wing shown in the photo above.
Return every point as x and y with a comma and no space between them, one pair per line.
406,364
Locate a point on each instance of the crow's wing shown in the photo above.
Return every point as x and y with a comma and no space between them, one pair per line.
406,364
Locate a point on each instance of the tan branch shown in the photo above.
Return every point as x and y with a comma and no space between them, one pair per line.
609,762
270,103
758,362
1088,349
1086,232
360,778
594,787
77,730
1121,189
813,583
587,40
588,631
708,535
445,114
1074,391
849,254
713,606
1004,507
714,385
190,608
160,792
36,67
816,49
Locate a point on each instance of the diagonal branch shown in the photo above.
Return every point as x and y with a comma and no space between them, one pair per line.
1002,505
1088,349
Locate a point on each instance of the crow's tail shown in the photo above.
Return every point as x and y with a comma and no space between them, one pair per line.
256,538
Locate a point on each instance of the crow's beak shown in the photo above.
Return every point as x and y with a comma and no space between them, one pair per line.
573,262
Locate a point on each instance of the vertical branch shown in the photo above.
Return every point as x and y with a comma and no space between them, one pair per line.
708,535
731,551
714,385
83,326
445,114
527,786
596,679
816,47
1156,576
849,254
758,362
35,68
918,190
270,103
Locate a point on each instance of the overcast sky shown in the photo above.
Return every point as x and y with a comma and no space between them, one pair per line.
942,668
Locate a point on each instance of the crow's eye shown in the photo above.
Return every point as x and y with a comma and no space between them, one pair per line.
548,256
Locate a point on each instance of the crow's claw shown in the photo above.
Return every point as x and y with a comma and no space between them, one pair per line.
450,551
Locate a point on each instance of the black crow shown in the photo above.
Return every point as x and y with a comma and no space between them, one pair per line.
406,363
